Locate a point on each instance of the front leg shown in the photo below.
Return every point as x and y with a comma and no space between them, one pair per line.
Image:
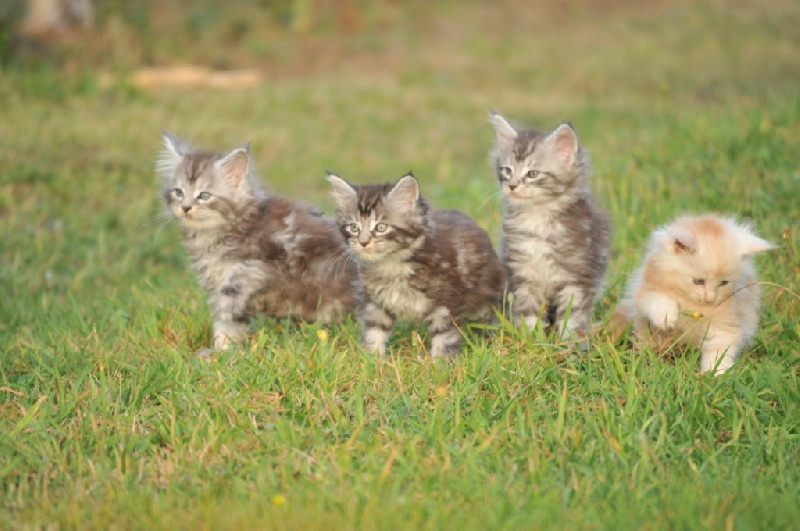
229,303
580,303
446,337
720,350
661,311
529,300
376,323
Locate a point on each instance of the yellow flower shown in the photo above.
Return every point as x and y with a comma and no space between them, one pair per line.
322,335
694,314
441,390
278,500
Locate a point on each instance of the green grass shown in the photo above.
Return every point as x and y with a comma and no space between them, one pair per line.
107,419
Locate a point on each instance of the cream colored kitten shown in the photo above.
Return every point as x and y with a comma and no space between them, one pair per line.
697,286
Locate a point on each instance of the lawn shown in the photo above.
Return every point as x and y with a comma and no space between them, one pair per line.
108,419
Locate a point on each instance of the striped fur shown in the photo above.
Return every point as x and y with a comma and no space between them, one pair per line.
417,264
555,236
253,252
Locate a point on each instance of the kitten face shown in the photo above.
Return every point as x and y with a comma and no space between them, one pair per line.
708,283
533,167
379,222
202,189
706,257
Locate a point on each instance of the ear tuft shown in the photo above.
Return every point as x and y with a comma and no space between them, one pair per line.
405,193
343,192
506,134
682,242
675,241
174,145
171,155
750,243
681,247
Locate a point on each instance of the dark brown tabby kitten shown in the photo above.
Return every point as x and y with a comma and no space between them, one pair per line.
253,252
555,235
417,264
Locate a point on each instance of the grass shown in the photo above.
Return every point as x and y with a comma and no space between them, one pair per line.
107,419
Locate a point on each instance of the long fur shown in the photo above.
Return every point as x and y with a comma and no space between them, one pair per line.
253,252
697,286
432,266
555,236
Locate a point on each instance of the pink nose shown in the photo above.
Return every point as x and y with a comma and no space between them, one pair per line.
709,297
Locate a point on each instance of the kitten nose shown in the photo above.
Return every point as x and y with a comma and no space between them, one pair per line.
512,186
186,208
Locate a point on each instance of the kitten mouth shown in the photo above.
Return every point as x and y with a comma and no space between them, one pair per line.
367,254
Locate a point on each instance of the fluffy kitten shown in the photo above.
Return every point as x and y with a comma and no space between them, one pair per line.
253,251
418,264
697,286
555,236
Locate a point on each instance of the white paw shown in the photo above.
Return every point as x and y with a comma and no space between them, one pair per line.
664,314
375,340
531,321
221,341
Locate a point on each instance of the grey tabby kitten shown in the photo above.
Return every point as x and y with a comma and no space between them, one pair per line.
253,251
417,264
555,236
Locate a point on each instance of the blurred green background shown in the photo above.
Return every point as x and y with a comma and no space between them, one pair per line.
106,417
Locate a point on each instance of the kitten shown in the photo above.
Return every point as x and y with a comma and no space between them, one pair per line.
555,236
253,251
697,286
418,264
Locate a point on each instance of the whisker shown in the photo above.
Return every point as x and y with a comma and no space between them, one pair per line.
342,261
497,196
159,220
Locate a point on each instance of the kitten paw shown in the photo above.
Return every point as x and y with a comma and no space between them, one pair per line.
375,340
664,314
446,345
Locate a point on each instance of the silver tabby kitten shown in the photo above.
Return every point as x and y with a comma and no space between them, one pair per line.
417,264
555,236
253,251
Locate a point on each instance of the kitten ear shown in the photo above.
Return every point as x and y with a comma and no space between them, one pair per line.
343,192
236,165
677,241
171,155
174,145
563,143
506,134
750,243
405,193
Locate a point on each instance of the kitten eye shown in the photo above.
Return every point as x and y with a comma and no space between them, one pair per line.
178,193
532,174
353,228
205,196
381,227
505,173
724,282
699,281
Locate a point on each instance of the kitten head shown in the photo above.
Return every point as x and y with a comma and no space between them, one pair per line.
204,190
706,258
534,167
380,221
